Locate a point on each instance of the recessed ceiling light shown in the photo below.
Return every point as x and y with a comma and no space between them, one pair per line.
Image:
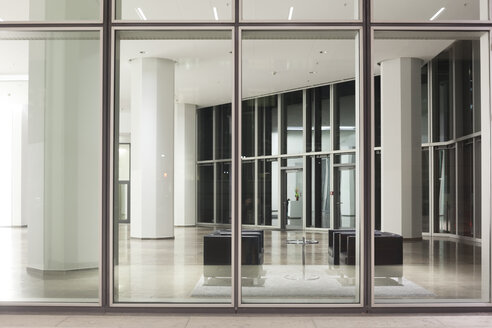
291,10
216,15
323,52
437,13
312,72
140,13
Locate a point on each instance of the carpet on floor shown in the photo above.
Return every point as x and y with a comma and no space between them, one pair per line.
276,281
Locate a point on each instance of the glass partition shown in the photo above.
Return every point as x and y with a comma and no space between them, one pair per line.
306,196
50,10
299,10
174,109
430,10
429,242
174,10
50,194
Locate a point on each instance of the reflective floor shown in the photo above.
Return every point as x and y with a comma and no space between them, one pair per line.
163,270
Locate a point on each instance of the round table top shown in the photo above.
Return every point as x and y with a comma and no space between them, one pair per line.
302,241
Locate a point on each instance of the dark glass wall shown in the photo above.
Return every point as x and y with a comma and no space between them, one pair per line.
205,124
344,115
442,97
205,193
248,192
267,126
248,128
223,131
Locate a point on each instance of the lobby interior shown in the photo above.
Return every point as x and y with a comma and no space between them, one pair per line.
192,158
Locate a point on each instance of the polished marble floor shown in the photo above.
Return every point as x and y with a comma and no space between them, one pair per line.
438,269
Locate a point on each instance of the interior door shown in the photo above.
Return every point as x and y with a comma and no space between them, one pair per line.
292,199
344,197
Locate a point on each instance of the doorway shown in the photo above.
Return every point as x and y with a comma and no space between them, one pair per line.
292,199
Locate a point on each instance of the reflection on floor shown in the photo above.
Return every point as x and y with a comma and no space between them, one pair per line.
17,283
172,270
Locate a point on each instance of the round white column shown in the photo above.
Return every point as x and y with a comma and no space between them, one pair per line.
152,142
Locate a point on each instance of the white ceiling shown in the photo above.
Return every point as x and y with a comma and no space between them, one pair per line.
204,67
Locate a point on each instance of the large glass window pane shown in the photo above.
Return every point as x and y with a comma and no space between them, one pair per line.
425,191
205,124
173,106
50,172
248,128
467,71
50,10
424,126
223,131
442,96
248,193
430,10
320,193
174,10
444,191
427,195
465,188
344,107
205,193
296,193
478,187
267,126
268,192
318,116
292,123
300,10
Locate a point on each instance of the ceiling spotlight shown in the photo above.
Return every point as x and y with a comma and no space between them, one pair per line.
140,13
323,52
142,52
291,10
216,15
312,72
437,13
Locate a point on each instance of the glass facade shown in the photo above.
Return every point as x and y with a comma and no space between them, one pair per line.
293,188
432,183
239,154
51,166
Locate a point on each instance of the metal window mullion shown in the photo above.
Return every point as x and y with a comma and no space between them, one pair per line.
304,158
474,188
236,282
106,270
214,157
332,156
279,152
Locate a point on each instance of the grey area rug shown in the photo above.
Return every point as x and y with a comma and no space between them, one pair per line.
275,283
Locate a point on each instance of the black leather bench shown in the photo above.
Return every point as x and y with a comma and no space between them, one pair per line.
217,247
217,254
388,247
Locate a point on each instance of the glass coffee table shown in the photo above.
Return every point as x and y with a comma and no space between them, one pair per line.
303,242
